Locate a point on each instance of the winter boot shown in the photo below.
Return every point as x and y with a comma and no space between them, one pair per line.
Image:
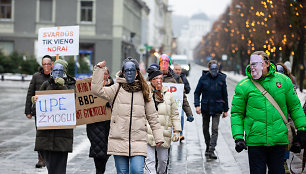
212,155
40,162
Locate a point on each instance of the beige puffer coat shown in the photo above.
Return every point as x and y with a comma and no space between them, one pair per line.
168,117
128,132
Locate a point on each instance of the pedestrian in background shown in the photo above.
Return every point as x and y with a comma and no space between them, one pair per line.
212,86
132,108
168,116
282,68
177,69
255,119
55,144
97,134
37,80
170,77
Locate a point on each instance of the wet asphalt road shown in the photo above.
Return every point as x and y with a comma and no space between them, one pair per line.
17,136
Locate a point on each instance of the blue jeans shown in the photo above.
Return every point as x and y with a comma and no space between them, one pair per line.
262,156
126,165
182,122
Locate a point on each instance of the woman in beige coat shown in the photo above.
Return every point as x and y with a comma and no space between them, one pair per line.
132,108
169,119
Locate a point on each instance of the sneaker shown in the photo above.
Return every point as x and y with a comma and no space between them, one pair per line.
40,164
212,155
182,137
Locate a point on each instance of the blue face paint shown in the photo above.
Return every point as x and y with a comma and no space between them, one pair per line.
129,72
58,71
280,69
213,69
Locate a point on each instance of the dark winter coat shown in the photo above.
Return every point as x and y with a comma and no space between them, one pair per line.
54,139
37,80
171,77
186,83
214,94
97,134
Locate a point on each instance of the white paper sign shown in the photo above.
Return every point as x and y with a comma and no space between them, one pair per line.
58,40
177,91
55,109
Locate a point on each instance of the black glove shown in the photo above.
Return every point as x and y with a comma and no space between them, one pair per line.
301,137
240,145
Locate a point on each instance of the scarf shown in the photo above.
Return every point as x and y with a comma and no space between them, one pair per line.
132,87
157,96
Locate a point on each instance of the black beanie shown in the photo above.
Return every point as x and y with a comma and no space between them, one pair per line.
152,72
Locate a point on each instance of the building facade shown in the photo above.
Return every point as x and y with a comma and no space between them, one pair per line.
110,29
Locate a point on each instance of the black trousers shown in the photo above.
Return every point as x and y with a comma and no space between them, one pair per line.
100,164
262,156
56,162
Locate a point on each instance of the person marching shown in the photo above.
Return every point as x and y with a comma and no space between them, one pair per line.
132,108
37,80
169,119
170,77
55,144
212,86
97,134
256,123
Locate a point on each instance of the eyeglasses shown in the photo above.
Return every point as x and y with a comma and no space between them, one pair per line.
157,78
255,63
46,64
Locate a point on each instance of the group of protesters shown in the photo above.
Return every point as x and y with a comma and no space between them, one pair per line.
145,117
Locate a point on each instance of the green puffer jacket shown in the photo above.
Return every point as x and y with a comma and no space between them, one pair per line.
253,114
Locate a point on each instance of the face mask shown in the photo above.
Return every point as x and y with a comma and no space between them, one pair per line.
58,71
129,72
279,69
213,69
256,66
164,62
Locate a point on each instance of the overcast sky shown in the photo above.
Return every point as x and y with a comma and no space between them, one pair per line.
190,7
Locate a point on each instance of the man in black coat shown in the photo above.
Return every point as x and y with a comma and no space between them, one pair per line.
37,80
212,86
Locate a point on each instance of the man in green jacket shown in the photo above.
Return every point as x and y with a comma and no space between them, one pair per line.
255,119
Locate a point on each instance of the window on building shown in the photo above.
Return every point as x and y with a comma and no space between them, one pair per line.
45,10
6,47
5,9
86,11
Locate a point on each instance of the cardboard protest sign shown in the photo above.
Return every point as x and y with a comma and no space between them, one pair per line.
58,41
89,107
177,91
55,109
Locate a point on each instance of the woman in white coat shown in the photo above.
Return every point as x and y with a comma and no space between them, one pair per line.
169,119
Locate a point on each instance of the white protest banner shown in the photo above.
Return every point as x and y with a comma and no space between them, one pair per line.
56,41
177,91
55,109
89,107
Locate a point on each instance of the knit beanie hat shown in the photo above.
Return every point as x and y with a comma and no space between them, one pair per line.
153,72
63,62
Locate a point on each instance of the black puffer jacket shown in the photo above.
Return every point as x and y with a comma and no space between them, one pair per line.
214,93
53,139
97,134
37,80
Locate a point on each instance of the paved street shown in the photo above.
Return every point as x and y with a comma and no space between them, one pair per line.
18,135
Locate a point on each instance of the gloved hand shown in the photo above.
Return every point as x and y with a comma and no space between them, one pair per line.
240,145
175,136
190,118
301,137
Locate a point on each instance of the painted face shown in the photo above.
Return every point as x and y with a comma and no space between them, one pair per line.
280,69
256,66
164,62
129,72
213,69
157,82
58,71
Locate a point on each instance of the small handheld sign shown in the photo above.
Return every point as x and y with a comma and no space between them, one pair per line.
55,109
